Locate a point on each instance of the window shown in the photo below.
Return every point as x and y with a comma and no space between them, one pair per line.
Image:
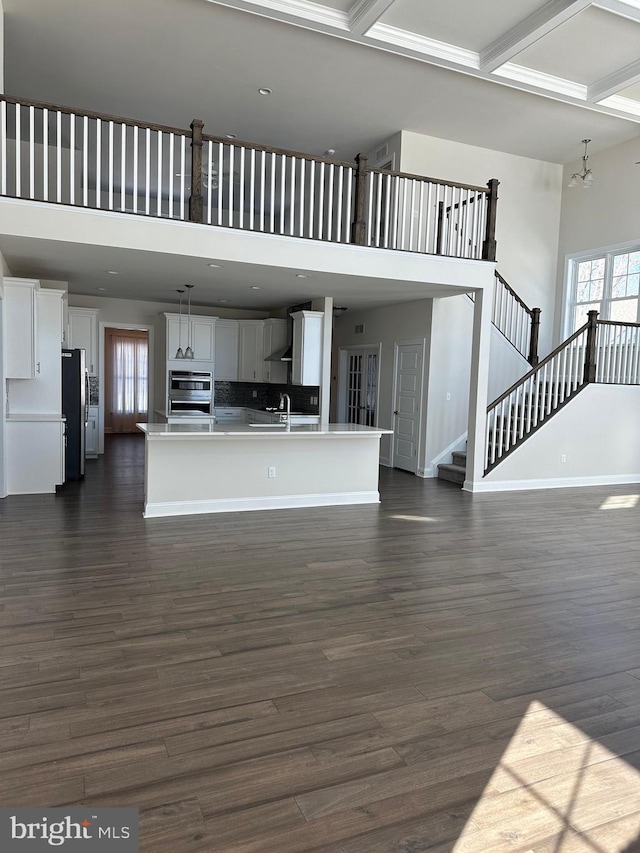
607,283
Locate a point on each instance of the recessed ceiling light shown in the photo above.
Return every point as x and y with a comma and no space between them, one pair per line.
231,136
223,300
113,272
301,275
214,266
255,287
329,152
264,91
102,288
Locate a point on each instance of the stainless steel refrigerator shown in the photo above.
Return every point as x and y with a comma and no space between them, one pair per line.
75,408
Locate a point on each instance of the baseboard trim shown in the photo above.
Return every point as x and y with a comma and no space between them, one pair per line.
162,509
551,483
443,456
384,460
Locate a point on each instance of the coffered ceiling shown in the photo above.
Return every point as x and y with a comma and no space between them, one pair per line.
580,51
521,76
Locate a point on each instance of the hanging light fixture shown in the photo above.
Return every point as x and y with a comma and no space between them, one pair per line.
179,352
584,177
189,352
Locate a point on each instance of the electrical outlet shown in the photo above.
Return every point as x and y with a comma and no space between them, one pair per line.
448,395
254,393
563,457
272,473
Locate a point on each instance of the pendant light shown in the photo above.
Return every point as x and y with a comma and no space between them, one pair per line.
583,178
189,352
179,352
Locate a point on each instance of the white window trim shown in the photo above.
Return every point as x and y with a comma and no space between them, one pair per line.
570,264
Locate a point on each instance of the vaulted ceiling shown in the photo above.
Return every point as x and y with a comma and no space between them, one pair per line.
522,76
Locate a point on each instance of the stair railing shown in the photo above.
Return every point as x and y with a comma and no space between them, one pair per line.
524,407
55,154
602,351
518,323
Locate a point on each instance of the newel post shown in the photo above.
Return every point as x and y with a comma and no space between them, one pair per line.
590,348
535,334
359,225
489,245
195,199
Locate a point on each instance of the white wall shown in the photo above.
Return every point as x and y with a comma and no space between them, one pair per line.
597,432
528,211
606,214
1,50
449,374
403,322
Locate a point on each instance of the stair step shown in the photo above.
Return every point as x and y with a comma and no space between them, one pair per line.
452,473
460,458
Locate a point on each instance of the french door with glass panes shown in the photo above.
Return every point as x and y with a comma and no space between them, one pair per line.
361,404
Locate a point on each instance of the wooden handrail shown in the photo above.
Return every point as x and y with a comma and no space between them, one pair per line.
489,245
269,149
23,102
616,323
438,181
513,293
538,367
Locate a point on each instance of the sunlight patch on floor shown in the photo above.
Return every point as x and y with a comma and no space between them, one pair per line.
413,518
555,790
620,502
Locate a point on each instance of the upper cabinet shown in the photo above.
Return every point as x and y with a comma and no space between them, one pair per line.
306,368
250,356
19,326
226,350
197,332
83,334
275,338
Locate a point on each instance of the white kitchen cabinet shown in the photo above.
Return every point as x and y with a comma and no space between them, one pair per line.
306,367
199,332
42,394
250,354
19,327
91,434
226,350
83,334
35,454
275,338
229,415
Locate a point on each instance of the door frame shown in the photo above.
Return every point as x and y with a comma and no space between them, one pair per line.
421,342
343,355
113,324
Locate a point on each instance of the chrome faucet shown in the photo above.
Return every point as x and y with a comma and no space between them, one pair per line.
286,414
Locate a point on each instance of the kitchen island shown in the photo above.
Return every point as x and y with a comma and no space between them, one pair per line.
204,468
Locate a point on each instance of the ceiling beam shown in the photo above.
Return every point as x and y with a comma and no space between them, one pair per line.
625,8
527,32
614,83
364,14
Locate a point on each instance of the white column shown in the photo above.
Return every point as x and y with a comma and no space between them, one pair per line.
478,391
325,304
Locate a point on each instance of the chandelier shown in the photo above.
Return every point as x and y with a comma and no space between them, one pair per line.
584,177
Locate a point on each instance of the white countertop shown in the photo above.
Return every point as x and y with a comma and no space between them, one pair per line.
186,430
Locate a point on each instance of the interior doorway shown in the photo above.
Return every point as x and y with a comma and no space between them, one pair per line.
407,404
126,375
359,381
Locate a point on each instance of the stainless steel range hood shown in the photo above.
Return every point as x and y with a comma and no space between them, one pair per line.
285,354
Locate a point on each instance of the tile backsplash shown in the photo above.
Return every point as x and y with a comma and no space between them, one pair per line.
94,391
267,394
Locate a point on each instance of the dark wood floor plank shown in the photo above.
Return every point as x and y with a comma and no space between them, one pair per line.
440,672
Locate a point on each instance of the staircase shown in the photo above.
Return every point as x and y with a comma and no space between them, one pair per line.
601,351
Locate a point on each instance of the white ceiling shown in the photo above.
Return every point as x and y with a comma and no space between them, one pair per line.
346,75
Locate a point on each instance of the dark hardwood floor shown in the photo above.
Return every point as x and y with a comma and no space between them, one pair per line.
441,672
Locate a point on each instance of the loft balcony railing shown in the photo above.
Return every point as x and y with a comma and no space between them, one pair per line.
59,155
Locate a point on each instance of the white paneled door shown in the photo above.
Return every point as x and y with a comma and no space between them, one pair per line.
406,421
